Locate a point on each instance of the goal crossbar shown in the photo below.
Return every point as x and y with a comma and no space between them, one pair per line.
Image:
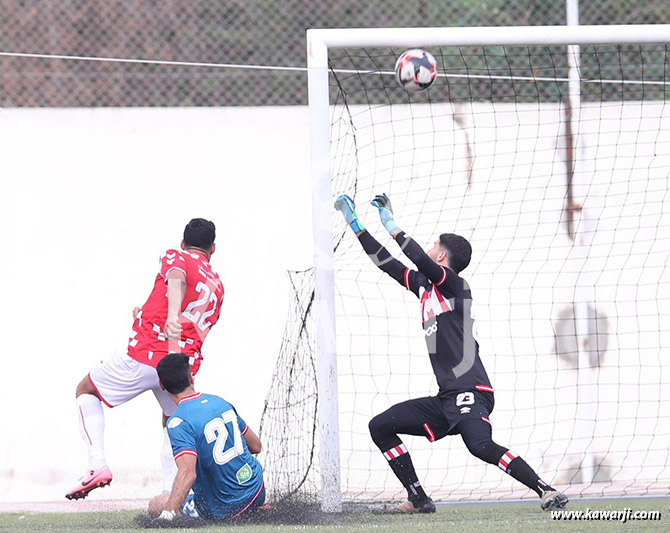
486,36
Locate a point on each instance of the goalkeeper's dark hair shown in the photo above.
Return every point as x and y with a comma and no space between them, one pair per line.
199,233
458,250
174,372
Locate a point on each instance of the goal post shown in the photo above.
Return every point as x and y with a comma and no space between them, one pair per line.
324,293
319,43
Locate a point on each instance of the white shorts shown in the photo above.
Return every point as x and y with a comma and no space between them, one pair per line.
120,378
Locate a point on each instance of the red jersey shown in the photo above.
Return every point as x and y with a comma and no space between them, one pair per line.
200,310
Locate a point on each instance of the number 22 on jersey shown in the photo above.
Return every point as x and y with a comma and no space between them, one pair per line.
195,312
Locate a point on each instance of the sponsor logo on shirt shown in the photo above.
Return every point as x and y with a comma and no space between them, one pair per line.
244,474
430,329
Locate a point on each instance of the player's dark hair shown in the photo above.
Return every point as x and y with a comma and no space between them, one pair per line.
199,233
174,371
458,249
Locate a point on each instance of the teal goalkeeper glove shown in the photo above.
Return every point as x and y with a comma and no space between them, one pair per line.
383,203
346,206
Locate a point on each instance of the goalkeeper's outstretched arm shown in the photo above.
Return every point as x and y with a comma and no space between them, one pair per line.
429,268
379,255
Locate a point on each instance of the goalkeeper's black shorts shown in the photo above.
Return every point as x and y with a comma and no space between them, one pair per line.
438,416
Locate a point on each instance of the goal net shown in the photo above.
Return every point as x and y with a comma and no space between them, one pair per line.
553,161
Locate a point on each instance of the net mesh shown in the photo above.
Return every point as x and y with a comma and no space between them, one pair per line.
288,422
568,224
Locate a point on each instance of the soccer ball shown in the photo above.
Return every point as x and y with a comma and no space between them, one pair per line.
415,70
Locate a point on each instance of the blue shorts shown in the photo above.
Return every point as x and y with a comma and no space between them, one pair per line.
189,509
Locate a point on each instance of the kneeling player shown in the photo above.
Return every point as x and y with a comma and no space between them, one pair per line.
465,398
212,447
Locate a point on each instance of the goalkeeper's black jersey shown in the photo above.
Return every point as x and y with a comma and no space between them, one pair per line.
448,327
445,311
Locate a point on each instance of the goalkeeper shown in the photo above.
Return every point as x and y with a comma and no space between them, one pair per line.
465,398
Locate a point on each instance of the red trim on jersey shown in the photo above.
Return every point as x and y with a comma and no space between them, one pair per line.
190,397
83,423
444,276
186,452
443,303
429,432
246,429
396,451
427,311
487,420
252,501
99,395
485,388
407,278
506,459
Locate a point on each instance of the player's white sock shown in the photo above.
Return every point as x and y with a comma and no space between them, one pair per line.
92,429
168,463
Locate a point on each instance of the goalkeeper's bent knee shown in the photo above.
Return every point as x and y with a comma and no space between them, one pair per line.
382,433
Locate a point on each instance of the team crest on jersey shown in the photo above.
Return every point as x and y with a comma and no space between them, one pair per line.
174,422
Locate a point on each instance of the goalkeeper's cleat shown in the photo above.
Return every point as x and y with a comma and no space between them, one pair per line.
552,499
91,480
407,507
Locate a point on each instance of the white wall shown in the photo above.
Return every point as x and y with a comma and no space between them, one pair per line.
89,200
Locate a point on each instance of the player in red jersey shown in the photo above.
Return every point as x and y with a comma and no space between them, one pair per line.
182,308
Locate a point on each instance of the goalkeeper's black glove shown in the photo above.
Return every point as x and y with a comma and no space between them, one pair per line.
383,203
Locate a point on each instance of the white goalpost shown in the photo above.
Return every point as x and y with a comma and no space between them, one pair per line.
518,158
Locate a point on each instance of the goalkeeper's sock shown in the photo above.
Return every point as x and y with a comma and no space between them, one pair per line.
401,464
522,472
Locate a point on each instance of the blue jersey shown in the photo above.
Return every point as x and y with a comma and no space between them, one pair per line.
229,477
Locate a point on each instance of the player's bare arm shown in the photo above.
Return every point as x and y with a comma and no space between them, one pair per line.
176,288
253,442
431,267
186,476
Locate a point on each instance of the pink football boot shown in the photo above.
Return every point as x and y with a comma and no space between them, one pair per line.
92,480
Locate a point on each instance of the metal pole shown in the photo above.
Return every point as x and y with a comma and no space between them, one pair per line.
581,237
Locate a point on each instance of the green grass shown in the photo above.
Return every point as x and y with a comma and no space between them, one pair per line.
461,518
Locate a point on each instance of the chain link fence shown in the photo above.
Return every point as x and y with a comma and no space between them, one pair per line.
244,32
